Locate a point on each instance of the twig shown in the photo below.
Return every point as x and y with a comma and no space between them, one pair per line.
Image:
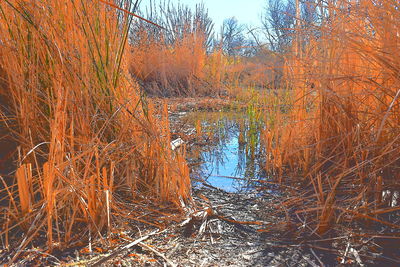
356,256
130,13
232,221
310,261
158,253
316,256
43,253
115,253
345,253
213,187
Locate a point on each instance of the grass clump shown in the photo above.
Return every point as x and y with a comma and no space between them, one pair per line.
341,136
81,140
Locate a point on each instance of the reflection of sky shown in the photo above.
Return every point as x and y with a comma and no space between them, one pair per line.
226,160
225,168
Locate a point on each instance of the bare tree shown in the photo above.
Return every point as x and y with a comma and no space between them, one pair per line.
285,21
232,36
278,24
175,21
280,20
236,39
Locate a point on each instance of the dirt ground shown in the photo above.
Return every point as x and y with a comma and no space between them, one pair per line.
226,229
231,235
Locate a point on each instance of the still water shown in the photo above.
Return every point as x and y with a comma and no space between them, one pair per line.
232,157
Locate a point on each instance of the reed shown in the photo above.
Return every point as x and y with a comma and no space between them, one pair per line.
174,60
86,136
171,69
341,135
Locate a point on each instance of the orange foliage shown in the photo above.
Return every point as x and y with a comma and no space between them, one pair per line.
85,135
178,69
343,132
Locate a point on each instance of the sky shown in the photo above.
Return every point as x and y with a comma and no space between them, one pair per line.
246,11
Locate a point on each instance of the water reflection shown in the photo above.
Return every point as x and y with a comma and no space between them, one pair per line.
232,160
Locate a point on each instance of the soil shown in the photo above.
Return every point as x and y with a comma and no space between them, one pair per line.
227,243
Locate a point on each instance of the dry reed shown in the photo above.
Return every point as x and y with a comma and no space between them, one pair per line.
87,140
341,136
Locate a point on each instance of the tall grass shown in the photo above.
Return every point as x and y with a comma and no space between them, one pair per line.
85,141
171,69
341,137
173,59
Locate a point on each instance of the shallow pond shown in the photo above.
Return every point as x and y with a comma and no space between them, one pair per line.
231,156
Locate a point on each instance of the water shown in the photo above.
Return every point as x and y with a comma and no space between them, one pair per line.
232,160
225,168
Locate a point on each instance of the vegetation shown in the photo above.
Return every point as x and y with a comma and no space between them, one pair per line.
81,141
83,145
341,135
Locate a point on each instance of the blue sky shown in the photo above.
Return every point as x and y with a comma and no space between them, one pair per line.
246,11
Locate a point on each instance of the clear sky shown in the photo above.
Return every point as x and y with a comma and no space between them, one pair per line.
246,11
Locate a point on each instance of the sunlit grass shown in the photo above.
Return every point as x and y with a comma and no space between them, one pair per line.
83,135
81,141
341,136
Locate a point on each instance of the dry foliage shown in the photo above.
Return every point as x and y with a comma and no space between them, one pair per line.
172,69
342,134
173,59
82,141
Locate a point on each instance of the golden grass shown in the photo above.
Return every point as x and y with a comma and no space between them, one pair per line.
81,142
182,68
342,135
86,137
186,68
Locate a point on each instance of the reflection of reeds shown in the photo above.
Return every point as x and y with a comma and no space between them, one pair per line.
234,132
85,136
343,137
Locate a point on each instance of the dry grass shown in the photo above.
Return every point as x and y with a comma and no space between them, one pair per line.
82,140
341,137
173,69
79,141
186,67
174,59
